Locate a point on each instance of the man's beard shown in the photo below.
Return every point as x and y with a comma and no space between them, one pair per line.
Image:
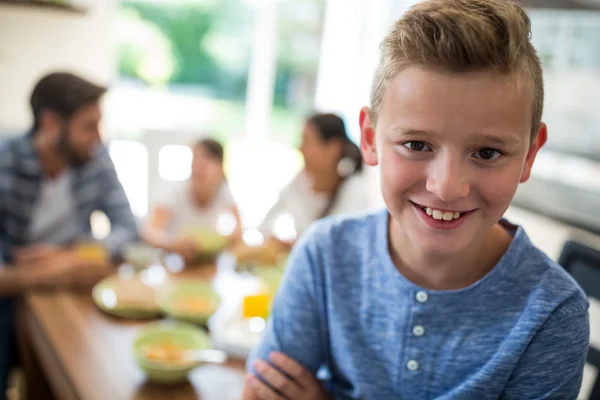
70,154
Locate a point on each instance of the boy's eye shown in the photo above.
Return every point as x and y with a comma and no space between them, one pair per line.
487,154
417,146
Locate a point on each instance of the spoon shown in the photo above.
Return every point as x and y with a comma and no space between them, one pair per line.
206,356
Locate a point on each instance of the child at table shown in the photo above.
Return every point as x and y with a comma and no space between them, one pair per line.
436,297
203,203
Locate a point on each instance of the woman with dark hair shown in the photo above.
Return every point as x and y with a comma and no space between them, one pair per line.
204,203
330,183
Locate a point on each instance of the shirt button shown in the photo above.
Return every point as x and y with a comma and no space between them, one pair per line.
418,330
422,297
412,365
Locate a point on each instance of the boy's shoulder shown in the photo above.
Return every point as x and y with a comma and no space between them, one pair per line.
349,228
556,282
544,282
346,239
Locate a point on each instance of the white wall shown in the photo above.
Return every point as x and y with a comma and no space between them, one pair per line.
35,41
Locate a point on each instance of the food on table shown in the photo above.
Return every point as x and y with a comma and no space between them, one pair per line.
193,305
208,242
266,254
135,294
140,255
91,252
188,300
126,297
168,353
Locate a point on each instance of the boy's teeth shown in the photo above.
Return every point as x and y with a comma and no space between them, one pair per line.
448,216
441,215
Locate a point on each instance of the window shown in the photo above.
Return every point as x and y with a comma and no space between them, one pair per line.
131,163
566,174
569,45
238,70
175,163
183,65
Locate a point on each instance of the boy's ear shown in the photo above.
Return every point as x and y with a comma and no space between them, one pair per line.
368,144
535,146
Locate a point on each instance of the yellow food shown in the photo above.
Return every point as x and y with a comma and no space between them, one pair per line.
207,241
268,254
91,252
166,353
134,293
194,305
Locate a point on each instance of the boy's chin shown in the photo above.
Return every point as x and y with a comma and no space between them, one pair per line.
440,246
437,243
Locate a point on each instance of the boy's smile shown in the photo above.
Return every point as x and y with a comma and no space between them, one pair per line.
452,148
439,218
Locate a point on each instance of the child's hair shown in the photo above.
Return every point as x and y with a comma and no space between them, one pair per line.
462,36
212,147
331,127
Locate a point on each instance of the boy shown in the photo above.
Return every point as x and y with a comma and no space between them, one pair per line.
437,297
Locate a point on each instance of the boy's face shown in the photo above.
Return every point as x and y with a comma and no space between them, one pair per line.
455,143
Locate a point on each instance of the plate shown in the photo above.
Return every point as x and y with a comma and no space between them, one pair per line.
235,335
126,298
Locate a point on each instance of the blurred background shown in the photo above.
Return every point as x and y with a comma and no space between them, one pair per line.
249,71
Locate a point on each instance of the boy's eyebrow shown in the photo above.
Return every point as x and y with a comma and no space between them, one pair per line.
508,140
500,140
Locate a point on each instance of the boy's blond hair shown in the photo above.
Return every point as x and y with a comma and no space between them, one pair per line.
462,36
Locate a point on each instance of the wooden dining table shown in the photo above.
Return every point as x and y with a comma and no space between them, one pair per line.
71,350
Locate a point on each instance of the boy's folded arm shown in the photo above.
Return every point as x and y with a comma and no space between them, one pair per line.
552,364
296,326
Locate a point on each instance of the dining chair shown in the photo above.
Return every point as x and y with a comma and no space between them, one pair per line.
583,263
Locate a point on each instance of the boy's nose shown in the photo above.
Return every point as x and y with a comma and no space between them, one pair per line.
448,179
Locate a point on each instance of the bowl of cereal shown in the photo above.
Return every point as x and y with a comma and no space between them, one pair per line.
190,300
162,350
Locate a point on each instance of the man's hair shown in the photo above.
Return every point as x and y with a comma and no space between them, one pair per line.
462,36
64,94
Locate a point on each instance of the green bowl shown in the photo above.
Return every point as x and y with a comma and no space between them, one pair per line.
140,255
172,300
210,242
186,336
